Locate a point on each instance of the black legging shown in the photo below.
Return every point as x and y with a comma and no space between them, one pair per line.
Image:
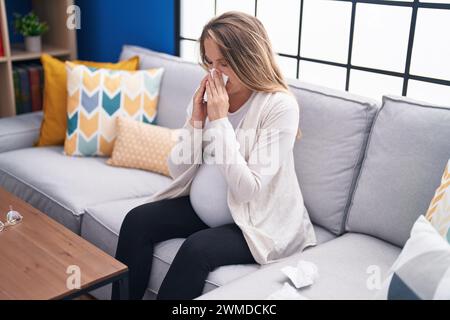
204,249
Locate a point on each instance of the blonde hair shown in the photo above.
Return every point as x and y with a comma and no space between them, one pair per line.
245,45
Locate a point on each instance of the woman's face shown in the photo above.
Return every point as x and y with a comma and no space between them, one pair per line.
214,59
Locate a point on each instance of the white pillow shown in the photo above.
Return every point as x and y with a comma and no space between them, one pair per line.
422,270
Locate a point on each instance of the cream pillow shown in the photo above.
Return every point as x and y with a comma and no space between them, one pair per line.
142,146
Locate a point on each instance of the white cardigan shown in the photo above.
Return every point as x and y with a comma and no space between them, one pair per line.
269,211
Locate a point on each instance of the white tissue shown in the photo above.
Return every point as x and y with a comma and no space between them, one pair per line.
288,292
225,80
303,275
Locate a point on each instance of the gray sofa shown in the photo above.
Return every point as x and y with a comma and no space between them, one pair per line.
367,171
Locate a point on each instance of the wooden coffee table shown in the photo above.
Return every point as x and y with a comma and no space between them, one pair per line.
38,255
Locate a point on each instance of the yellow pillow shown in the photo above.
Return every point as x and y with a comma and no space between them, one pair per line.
54,123
142,146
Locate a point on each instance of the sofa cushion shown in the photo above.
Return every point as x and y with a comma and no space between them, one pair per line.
407,151
345,265
178,85
63,186
408,148
21,131
335,126
101,226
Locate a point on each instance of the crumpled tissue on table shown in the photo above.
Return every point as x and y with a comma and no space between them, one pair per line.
303,275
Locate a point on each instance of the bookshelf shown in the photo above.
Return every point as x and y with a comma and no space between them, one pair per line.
59,41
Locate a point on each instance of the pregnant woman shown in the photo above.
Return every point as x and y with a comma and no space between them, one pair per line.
235,198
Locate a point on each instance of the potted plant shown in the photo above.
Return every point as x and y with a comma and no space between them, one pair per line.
32,29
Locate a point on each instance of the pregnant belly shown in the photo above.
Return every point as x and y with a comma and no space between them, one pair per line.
208,196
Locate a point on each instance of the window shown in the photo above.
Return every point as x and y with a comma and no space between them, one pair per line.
366,47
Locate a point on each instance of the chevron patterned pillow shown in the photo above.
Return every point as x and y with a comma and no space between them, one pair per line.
439,211
96,97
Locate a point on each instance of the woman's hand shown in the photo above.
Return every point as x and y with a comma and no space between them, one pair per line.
217,105
199,112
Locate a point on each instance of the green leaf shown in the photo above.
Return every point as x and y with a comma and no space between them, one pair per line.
29,25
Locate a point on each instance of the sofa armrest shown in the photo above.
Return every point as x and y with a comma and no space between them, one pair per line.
20,132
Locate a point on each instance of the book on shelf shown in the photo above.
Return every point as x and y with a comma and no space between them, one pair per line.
2,50
28,87
24,90
16,81
35,87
